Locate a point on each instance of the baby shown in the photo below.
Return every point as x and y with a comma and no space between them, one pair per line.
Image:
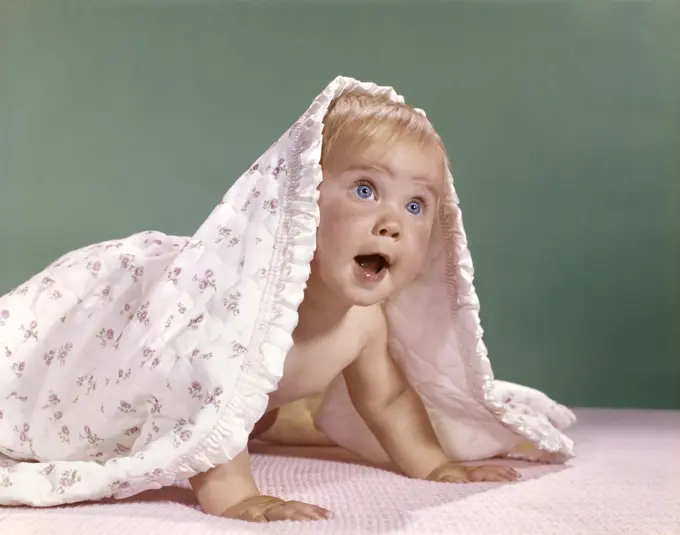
384,170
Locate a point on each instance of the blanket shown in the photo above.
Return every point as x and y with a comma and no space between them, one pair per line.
131,363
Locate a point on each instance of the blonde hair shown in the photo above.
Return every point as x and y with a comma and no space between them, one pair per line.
358,120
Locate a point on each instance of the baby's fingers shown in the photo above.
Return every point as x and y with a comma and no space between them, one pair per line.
507,473
297,511
251,515
495,473
312,511
454,477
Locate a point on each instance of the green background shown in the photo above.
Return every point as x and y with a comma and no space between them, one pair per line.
562,119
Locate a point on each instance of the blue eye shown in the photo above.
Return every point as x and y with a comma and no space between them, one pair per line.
414,207
364,191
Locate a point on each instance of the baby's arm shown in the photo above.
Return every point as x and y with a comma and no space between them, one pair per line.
392,409
229,490
395,414
225,486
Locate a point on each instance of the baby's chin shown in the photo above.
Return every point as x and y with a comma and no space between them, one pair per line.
367,301
366,297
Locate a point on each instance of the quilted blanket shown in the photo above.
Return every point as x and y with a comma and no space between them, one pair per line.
132,363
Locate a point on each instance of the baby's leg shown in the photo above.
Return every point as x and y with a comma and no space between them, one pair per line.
264,424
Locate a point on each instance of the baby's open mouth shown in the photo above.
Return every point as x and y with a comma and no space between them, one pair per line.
373,263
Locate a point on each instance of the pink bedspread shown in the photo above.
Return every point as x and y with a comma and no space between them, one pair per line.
624,480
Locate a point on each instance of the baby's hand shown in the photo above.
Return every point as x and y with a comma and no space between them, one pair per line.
269,509
457,473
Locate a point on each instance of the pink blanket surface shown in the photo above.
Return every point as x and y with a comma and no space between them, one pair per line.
624,481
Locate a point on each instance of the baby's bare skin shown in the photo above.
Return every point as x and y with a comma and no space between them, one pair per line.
376,204
323,347
357,349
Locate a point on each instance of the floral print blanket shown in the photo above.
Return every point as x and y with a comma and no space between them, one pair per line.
129,364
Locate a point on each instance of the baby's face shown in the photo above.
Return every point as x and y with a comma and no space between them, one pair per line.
377,212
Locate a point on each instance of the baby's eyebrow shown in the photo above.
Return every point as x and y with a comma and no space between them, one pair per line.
362,167
428,185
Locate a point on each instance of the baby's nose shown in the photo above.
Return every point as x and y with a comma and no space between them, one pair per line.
389,229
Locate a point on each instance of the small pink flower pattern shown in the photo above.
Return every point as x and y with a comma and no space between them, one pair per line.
279,168
121,449
18,368
127,262
142,314
197,354
271,205
182,432
52,401
155,406
65,434
106,336
231,303
23,433
239,349
61,354
195,322
222,233
207,280
90,437
119,486
148,355
105,294
196,390
68,479
173,275
88,381
212,398
132,431
114,245
126,407
47,470
123,375
30,332
94,267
